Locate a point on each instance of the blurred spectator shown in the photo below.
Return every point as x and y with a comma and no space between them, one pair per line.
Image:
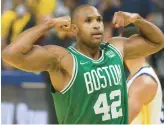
72,4
94,3
41,9
6,5
22,15
143,7
23,21
7,19
61,9
14,21
157,61
109,11
108,8
159,10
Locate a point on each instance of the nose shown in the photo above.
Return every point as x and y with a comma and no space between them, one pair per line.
96,25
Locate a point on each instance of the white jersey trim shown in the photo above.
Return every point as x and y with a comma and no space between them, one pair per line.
74,73
154,110
142,71
95,61
117,51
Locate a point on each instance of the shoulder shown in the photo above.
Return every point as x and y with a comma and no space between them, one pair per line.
144,88
118,42
129,47
145,81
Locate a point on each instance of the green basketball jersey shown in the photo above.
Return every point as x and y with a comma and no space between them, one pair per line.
96,93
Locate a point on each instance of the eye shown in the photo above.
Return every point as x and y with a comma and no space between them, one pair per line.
88,20
99,19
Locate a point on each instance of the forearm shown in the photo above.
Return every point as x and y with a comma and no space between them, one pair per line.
150,32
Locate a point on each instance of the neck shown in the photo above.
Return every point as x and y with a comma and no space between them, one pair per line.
93,53
135,65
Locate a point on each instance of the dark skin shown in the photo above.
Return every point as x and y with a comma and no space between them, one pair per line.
88,29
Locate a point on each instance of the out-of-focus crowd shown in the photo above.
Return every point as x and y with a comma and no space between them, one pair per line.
19,15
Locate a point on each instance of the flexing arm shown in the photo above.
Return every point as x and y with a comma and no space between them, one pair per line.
22,54
149,41
141,92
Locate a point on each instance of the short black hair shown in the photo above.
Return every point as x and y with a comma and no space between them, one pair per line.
77,10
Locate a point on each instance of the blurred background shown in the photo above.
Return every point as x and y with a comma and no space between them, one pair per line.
26,97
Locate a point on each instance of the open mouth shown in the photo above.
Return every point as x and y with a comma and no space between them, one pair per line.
97,35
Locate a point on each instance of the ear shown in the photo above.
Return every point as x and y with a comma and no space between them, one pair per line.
74,29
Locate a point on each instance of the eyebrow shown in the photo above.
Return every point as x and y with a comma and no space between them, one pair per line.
94,17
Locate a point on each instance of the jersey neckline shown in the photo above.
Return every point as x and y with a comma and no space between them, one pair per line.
100,59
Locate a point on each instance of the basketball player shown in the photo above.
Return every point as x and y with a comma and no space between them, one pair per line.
145,93
144,89
88,80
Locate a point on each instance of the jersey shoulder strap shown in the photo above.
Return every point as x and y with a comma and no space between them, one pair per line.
146,70
108,47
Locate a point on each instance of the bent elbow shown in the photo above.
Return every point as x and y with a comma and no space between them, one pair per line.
8,55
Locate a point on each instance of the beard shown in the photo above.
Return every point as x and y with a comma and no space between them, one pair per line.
91,43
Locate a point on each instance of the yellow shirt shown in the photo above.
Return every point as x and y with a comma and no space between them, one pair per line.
19,24
6,20
42,7
9,19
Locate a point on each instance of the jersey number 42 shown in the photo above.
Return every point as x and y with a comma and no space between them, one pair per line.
109,111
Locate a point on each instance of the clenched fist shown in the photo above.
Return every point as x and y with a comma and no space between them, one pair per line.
63,23
60,23
124,18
